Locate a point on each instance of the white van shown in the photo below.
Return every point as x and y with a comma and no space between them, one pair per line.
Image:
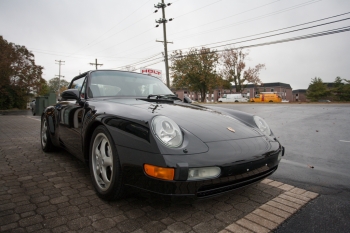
233,98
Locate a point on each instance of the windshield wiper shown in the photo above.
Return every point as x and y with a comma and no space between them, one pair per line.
161,96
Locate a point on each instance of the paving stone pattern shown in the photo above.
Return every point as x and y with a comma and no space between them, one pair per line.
52,192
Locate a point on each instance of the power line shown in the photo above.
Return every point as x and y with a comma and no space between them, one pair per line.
238,23
124,41
81,56
308,36
279,33
225,17
248,20
272,30
199,9
141,62
324,33
146,60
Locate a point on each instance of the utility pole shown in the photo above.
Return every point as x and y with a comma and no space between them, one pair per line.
163,20
59,74
96,64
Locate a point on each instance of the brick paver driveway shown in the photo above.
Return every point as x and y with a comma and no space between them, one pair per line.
52,192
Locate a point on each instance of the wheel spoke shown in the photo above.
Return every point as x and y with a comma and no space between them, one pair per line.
97,152
107,162
104,177
103,147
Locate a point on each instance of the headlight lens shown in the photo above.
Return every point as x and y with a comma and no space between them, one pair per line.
167,131
262,125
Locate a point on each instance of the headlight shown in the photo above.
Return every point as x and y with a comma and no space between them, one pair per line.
262,125
167,131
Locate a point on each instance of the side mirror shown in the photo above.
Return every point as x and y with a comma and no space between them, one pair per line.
71,94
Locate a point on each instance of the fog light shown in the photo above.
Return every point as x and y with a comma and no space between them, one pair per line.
203,173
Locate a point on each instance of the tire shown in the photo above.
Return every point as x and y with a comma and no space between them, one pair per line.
236,101
270,101
46,143
104,165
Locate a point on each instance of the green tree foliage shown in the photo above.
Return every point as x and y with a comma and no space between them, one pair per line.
317,90
234,69
341,90
45,89
19,76
196,70
53,85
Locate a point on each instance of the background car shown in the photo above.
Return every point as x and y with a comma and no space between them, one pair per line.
133,132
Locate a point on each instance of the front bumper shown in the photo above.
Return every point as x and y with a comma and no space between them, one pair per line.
233,176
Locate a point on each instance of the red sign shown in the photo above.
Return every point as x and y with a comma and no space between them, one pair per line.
153,72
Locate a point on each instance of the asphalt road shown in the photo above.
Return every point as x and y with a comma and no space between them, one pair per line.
317,142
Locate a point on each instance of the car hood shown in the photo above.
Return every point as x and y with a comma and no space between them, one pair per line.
207,124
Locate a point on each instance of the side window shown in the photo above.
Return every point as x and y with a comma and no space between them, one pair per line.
83,90
80,84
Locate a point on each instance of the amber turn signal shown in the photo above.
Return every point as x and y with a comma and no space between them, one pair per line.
159,172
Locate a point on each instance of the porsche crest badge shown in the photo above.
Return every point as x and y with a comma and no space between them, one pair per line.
231,129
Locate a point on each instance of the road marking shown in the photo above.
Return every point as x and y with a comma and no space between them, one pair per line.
344,141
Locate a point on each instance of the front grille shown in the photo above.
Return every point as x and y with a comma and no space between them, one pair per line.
211,190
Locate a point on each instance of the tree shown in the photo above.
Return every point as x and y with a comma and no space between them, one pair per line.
19,75
317,90
53,85
341,90
196,70
233,61
44,88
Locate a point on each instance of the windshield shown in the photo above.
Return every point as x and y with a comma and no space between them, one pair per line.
119,83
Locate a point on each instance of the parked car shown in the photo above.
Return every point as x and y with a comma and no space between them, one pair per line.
133,131
233,98
32,107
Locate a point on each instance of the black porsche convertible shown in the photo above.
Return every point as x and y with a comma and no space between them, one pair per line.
133,131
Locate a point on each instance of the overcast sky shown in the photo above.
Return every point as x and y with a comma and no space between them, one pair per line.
120,33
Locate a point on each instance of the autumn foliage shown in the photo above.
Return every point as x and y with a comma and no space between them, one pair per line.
202,70
19,76
234,69
195,71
